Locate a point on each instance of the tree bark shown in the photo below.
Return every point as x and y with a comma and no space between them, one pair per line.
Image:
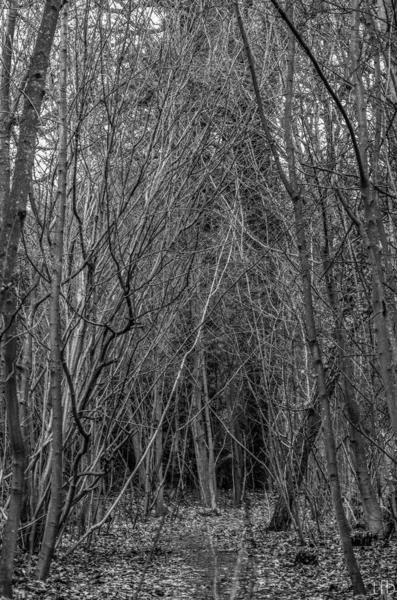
6,118
55,507
387,351
198,429
237,457
10,533
14,208
210,438
306,437
372,510
158,462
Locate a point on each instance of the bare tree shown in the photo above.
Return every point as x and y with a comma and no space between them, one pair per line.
291,185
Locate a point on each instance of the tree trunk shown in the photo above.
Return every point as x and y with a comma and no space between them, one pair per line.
198,429
383,317
14,208
158,445
307,434
6,118
10,533
55,507
312,339
372,510
210,439
237,459
137,446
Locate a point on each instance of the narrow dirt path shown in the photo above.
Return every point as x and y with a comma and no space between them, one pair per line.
213,551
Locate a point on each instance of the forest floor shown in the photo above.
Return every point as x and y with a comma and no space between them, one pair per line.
194,553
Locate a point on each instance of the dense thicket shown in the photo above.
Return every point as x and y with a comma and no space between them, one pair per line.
198,260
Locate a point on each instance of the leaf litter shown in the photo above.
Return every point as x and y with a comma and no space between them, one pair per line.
204,555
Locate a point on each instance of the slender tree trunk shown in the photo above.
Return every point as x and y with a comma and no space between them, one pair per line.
13,197
55,507
311,332
231,402
372,510
307,434
148,473
158,407
329,440
5,112
27,422
210,439
10,533
198,429
14,208
137,446
383,317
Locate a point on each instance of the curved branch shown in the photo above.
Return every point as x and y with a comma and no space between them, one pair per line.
327,85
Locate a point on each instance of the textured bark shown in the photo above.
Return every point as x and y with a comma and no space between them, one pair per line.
308,430
312,339
231,401
137,446
55,506
383,322
372,510
158,408
198,430
329,440
10,533
5,111
13,197
14,209
210,439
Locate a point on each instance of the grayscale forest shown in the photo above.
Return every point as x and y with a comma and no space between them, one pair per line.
198,299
